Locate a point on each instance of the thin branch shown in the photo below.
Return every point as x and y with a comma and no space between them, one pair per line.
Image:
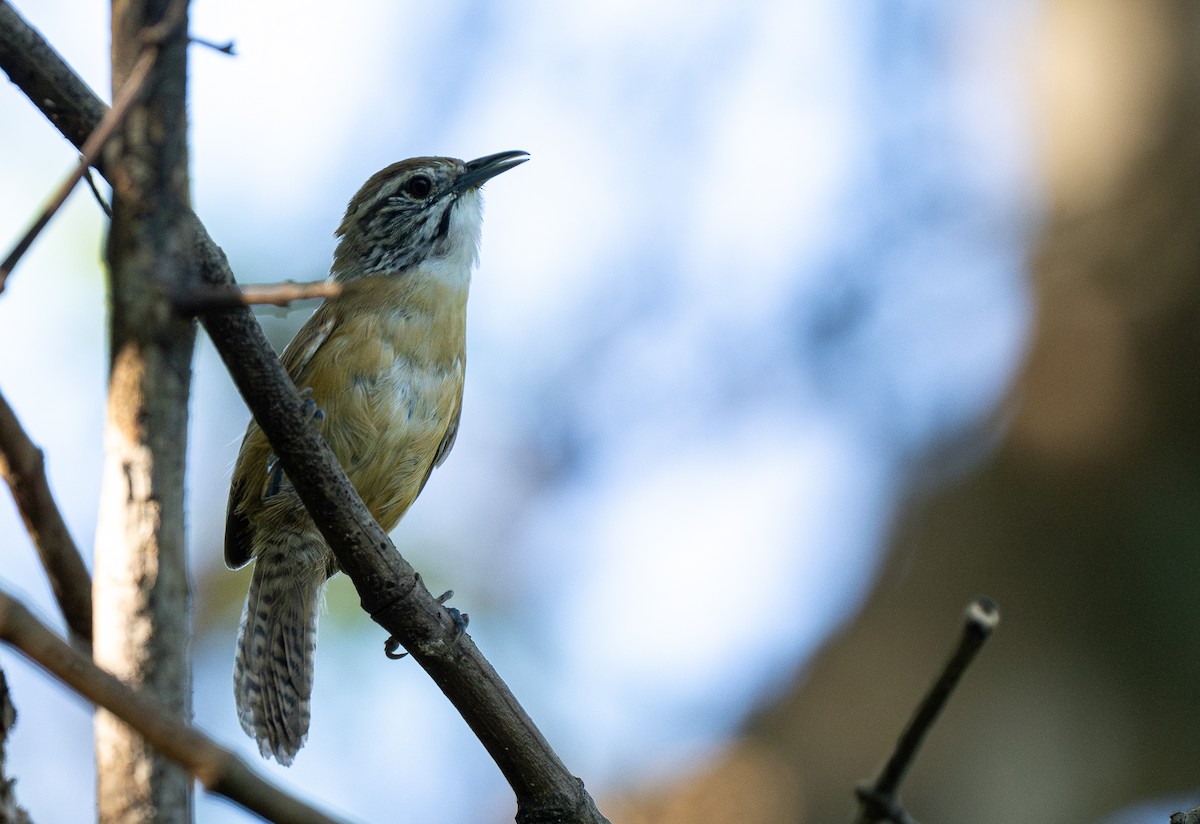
545,790
92,147
880,801
46,79
91,182
24,470
216,298
219,770
229,48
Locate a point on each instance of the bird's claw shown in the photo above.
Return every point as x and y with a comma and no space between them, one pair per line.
459,619
309,408
390,646
275,476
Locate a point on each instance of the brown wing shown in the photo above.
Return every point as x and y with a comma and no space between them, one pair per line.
239,536
443,450
250,474
312,336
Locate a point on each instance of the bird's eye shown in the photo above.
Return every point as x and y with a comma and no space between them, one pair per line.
417,186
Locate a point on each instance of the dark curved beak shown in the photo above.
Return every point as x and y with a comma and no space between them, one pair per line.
485,168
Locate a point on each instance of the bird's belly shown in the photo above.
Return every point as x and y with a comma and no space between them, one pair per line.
386,429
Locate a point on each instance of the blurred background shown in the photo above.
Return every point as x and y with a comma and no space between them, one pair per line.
807,322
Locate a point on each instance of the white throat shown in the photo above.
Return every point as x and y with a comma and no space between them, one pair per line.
462,255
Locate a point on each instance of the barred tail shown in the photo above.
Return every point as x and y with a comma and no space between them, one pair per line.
277,638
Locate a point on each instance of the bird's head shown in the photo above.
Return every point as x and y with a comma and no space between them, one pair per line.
420,210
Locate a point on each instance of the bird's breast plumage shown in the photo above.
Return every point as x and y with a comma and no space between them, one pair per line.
396,391
385,365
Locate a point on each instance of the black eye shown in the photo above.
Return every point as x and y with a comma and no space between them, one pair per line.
418,187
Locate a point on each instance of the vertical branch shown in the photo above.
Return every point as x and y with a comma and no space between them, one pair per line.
141,595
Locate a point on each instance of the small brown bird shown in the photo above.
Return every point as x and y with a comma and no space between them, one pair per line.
382,365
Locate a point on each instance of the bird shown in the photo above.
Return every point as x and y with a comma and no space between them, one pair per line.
380,368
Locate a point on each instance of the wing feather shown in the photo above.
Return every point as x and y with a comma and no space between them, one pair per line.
447,442
249,476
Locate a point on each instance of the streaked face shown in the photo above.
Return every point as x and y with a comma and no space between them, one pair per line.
418,210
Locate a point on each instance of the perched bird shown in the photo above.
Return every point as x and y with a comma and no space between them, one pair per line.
382,367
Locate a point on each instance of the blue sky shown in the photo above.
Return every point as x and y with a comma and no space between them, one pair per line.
765,264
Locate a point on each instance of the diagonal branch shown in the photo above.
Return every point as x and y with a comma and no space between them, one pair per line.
24,470
388,587
218,769
46,79
88,153
880,801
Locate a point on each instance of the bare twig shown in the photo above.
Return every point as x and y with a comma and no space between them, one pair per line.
545,790
53,86
215,298
91,149
218,769
879,801
224,48
23,469
91,182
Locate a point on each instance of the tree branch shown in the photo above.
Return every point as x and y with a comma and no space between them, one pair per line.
46,79
141,594
880,801
214,298
388,587
228,48
91,149
218,770
23,469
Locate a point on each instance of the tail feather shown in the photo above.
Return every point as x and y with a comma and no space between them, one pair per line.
273,669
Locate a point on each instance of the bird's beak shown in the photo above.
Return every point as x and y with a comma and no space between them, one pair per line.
485,168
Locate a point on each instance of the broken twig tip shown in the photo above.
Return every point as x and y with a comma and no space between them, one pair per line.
983,614
229,48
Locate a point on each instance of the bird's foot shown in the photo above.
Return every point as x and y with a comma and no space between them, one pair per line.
457,618
390,646
311,412
309,408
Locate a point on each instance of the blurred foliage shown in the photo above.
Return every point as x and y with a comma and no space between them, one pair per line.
1083,525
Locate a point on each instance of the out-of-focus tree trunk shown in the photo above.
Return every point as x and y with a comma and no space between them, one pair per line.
1084,525
141,594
